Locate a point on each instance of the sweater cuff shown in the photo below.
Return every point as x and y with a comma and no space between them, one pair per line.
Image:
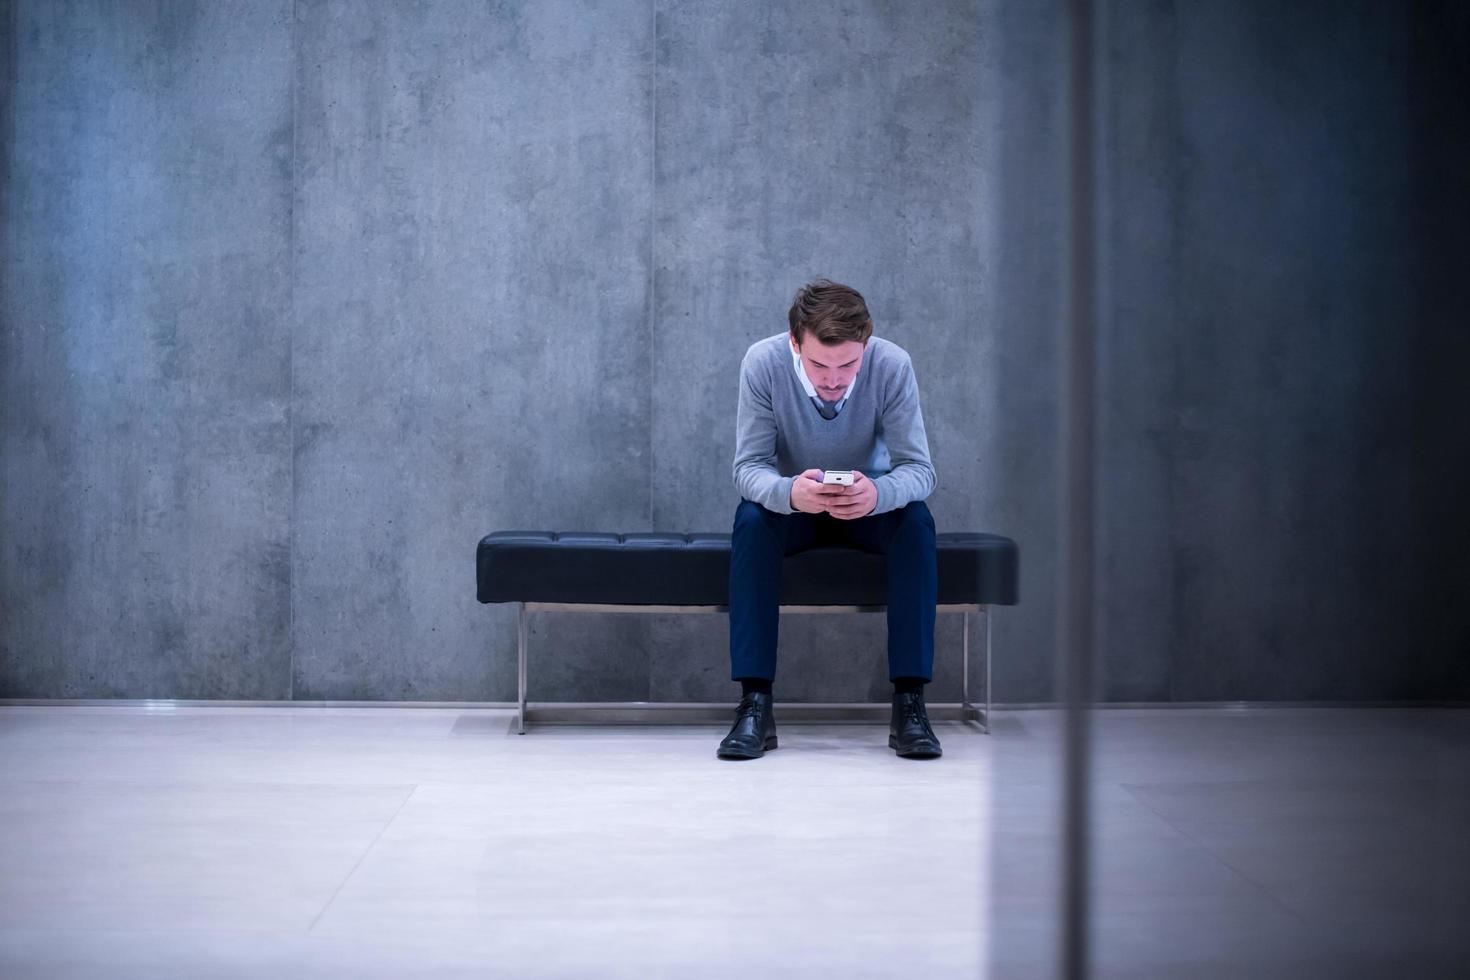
885,503
783,496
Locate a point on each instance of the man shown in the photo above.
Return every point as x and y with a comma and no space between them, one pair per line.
828,395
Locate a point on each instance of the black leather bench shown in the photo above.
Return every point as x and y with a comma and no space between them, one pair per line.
545,571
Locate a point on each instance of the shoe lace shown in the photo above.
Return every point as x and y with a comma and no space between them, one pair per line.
913,711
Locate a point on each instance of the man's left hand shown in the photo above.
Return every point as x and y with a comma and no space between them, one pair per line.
858,500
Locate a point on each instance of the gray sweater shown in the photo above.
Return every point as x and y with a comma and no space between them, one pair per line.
880,431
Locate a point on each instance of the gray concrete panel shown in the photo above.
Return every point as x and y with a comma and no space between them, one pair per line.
822,141
473,217
145,448
792,157
1023,216
1294,367
1437,664
1136,355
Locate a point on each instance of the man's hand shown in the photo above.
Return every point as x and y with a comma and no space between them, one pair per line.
811,496
856,501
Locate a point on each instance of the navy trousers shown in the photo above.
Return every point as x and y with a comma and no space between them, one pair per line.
762,538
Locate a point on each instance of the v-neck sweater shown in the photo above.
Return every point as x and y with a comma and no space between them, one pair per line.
880,431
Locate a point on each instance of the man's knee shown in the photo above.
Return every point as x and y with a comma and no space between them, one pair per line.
915,519
752,517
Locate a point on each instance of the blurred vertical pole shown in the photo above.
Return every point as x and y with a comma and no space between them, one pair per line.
1074,604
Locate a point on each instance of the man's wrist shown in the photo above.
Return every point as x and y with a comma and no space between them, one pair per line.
878,496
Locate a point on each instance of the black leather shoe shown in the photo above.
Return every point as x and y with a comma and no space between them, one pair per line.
754,731
909,733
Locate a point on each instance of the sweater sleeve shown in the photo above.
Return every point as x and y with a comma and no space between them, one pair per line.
756,477
912,476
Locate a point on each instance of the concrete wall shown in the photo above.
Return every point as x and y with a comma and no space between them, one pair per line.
145,360
1257,418
301,299
1262,444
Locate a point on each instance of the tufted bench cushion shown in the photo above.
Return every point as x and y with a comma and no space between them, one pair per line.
694,570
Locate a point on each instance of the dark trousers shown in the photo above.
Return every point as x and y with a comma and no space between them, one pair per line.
905,537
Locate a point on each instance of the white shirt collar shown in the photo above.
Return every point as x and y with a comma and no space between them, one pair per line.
806,383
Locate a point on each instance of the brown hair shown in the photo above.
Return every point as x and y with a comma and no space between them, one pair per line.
831,312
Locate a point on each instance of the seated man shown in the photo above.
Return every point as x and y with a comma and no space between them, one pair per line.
830,396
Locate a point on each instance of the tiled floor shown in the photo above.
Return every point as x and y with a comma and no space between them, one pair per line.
310,842
1261,843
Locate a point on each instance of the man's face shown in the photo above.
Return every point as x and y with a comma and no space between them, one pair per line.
830,367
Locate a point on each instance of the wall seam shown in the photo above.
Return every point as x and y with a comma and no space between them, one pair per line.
650,332
1173,437
1105,424
649,323
291,385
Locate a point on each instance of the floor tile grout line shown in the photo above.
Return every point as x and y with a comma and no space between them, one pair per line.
363,857
1258,886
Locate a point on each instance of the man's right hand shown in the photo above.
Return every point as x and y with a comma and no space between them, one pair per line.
810,495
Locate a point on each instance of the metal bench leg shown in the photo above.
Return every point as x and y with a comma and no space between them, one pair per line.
521,670
965,668
967,710
987,670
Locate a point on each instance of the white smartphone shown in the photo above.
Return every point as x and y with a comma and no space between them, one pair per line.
839,477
